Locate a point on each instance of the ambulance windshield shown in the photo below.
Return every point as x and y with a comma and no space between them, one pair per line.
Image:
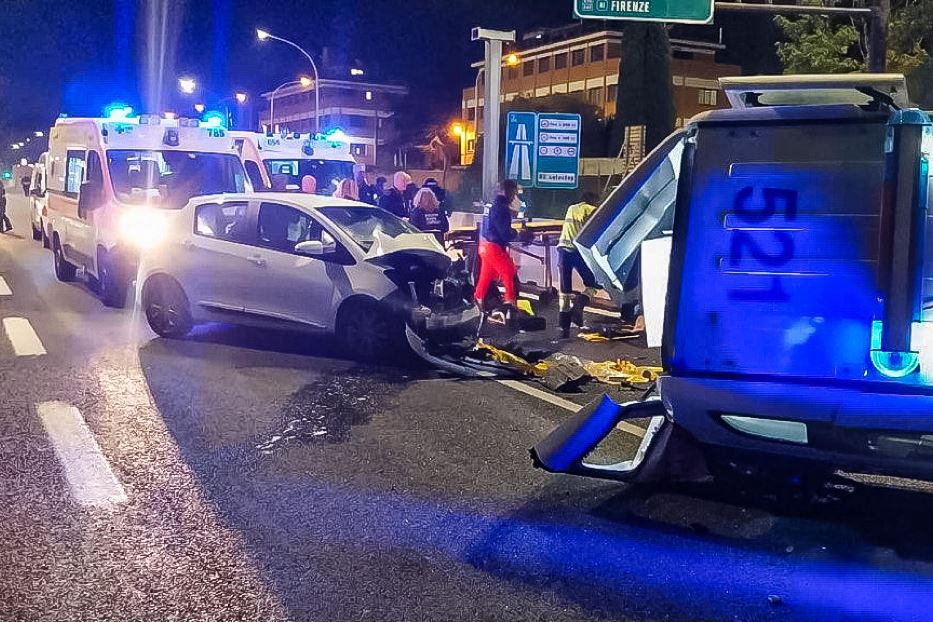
171,178
326,173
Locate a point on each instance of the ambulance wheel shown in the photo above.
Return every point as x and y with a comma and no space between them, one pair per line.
110,286
36,233
369,331
45,240
167,309
64,271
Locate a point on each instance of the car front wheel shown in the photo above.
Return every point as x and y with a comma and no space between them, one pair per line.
369,331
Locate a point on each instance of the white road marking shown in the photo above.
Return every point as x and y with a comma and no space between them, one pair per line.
4,288
22,337
560,402
92,481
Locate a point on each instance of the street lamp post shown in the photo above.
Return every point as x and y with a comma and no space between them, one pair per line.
262,35
303,81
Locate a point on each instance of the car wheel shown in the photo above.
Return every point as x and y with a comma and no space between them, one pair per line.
166,306
369,331
110,288
64,271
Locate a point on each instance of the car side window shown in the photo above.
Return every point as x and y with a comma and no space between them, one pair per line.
229,221
281,227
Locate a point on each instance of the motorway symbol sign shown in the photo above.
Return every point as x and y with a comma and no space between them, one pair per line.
683,11
558,150
520,147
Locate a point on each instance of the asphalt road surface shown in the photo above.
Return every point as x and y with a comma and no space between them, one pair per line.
243,475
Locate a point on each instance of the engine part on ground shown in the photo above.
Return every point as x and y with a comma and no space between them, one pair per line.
564,373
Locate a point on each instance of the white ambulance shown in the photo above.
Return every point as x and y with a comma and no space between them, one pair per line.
110,181
281,161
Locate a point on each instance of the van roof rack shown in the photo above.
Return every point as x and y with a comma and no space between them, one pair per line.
871,90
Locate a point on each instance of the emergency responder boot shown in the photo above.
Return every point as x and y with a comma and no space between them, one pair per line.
564,318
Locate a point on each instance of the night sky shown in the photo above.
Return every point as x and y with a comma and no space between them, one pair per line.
75,56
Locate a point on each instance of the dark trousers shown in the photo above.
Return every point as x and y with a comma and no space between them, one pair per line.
567,262
5,224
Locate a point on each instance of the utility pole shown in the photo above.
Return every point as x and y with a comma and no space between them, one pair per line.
493,66
878,36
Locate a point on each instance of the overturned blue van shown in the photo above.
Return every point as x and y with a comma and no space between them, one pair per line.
798,323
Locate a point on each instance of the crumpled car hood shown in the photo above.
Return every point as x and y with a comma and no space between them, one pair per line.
389,252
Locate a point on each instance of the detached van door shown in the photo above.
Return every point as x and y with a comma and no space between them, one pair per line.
641,208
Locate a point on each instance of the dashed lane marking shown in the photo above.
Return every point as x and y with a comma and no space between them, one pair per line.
92,481
4,288
560,402
22,337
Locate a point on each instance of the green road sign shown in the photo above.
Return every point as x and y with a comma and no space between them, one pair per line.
684,11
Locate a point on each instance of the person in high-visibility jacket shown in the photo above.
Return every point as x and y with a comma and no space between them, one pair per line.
569,259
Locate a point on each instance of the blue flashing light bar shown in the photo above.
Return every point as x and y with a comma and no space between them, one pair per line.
118,111
214,119
891,364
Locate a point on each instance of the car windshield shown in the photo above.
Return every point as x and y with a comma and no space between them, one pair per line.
171,178
325,172
363,224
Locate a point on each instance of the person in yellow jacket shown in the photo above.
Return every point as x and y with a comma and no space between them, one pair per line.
569,259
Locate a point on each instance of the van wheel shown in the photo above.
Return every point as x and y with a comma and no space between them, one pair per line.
45,240
111,289
36,233
64,271
369,331
167,309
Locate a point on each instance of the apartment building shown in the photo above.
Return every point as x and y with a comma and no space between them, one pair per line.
363,109
587,64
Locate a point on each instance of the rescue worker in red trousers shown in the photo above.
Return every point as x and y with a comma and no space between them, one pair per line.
495,262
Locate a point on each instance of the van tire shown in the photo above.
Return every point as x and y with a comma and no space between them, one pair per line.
166,306
45,240
369,331
110,288
36,233
64,271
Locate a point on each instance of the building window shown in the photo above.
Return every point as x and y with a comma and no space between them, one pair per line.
544,64
577,57
595,96
513,73
357,149
369,96
614,49
356,120
597,53
560,60
528,68
471,145
611,93
471,113
707,97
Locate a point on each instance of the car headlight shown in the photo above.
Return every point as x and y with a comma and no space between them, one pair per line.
142,228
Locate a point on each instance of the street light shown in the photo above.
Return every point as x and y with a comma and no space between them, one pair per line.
187,85
39,134
199,108
240,98
304,81
492,40
262,35
511,61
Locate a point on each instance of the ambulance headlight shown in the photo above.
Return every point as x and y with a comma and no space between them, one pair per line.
142,228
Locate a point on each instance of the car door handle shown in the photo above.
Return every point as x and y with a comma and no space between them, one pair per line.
257,260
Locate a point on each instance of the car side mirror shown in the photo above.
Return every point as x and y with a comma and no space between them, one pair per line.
315,248
89,196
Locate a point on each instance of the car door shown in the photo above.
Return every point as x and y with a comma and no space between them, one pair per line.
216,261
290,287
